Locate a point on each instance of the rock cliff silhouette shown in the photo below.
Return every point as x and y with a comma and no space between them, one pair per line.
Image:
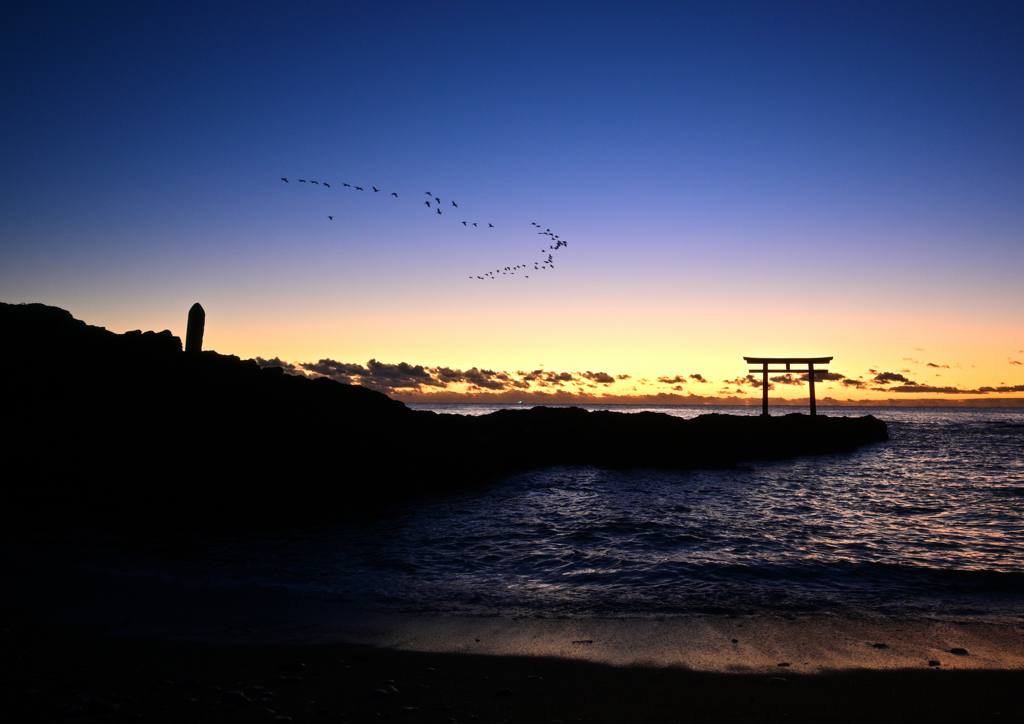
128,428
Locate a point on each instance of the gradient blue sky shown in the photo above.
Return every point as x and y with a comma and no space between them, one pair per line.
733,178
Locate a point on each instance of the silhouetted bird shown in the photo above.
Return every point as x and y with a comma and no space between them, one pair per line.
375,189
327,184
315,182
359,188
474,223
491,225
439,211
463,223
284,179
331,218
302,180
349,185
394,194
455,204
427,203
429,194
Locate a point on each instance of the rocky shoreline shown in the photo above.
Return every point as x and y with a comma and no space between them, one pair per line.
130,428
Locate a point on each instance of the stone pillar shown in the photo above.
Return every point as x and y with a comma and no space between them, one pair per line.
196,325
810,380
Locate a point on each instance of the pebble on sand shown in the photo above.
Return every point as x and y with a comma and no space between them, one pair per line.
959,652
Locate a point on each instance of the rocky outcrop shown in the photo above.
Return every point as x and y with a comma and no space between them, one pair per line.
128,427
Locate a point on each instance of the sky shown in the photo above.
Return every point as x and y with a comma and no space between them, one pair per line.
729,179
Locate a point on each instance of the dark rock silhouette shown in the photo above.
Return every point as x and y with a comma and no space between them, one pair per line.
196,327
125,428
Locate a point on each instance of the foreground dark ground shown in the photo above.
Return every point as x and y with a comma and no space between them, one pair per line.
62,674
131,429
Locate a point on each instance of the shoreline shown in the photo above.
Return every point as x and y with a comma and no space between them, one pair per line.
44,590
140,607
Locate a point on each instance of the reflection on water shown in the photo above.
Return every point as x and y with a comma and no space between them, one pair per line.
928,523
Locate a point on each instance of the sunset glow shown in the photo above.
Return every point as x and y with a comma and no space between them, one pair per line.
747,180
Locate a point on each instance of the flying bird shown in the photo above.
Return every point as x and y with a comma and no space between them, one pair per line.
284,179
302,180
455,204
463,223
331,218
394,194
427,203
375,189
439,211
349,185
315,182
359,188
327,184
491,225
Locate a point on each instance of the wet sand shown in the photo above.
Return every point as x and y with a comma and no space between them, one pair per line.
762,644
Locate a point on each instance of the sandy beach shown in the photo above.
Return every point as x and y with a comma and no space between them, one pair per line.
68,673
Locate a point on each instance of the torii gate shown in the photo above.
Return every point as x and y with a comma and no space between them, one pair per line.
765,361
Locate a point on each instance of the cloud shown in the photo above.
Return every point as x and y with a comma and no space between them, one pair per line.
482,379
623,377
700,378
288,367
825,377
938,367
400,376
1015,362
749,381
379,376
888,378
677,380
856,384
345,372
914,387
602,377
787,379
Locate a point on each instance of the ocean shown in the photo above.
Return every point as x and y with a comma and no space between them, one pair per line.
930,523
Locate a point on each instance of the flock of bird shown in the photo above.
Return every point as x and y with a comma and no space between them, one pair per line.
435,204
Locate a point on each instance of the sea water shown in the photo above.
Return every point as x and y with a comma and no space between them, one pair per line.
930,523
